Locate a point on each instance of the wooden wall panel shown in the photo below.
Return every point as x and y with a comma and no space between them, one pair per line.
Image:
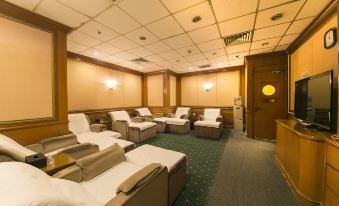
173,90
155,90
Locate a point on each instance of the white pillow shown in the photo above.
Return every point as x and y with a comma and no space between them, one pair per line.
23,184
78,123
14,150
144,112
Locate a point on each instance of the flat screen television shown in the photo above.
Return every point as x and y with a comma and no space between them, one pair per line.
314,100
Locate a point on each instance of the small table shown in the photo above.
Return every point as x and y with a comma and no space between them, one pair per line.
193,118
58,162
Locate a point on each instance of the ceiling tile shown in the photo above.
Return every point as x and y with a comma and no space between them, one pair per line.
238,48
126,56
158,47
154,58
123,43
179,41
203,10
165,27
211,45
144,11
141,52
83,39
265,43
205,34
237,25
288,39
94,53
188,50
299,26
237,62
200,62
229,9
112,59
218,60
87,7
312,8
118,20
179,61
270,32
177,5
289,12
169,54
215,53
195,57
75,47
107,48
27,4
265,4
142,32
129,64
262,51
239,55
164,63
220,64
61,13
281,47
98,31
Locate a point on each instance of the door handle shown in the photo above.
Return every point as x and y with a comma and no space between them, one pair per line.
257,109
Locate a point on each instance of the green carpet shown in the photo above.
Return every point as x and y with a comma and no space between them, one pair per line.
203,157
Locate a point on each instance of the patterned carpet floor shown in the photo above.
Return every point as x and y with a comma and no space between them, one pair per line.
203,158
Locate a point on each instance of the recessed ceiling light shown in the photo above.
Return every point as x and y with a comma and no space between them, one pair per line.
95,53
237,56
78,59
99,32
178,60
142,38
220,64
214,53
189,51
196,19
140,67
190,68
265,44
277,16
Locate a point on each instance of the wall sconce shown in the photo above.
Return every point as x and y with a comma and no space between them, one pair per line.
207,86
111,84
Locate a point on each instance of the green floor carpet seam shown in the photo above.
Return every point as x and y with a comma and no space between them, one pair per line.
203,158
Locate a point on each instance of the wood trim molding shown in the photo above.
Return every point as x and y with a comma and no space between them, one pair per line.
226,69
327,13
107,65
167,90
89,111
165,71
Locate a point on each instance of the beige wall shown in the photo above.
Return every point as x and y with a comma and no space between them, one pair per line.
226,85
26,71
155,90
87,89
312,58
173,91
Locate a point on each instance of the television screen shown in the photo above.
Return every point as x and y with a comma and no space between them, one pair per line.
300,99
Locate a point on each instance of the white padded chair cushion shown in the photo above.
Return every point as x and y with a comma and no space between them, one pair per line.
211,114
176,121
120,115
103,186
104,141
161,119
23,184
207,123
144,112
78,123
181,111
14,150
142,125
147,154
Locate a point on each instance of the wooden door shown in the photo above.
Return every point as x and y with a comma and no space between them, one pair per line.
270,100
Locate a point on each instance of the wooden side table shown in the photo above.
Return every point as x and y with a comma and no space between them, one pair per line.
193,118
58,162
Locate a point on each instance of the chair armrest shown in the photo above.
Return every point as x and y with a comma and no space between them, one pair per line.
38,148
97,127
171,115
200,117
55,143
72,173
81,150
138,119
219,119
148,118
120,126
184,116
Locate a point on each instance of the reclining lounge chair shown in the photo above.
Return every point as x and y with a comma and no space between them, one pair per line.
136,131
149,117
210,125
79,125
177,122
101,179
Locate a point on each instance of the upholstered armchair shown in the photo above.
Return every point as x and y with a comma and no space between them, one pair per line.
210,124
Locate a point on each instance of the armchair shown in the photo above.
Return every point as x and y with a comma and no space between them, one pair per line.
210,124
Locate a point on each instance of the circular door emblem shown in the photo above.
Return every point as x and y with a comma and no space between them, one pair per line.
268,90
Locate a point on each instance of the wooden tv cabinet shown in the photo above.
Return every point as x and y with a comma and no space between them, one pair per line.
300,154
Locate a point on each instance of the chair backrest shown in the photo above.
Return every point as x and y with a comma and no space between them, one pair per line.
211,114
11,148
120,115
181,111
144,111
78,123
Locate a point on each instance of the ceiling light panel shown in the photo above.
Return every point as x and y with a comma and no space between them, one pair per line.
27,4
165,28
203,10
270,32
144,11
148,37
105,47
83,39
205,34
312,8
299,26
179,41
123,43
237,25
118,20
289,11
229,9
98,31
61,13
87,7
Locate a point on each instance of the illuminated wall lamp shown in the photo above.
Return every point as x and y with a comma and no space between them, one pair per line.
111,84
207,86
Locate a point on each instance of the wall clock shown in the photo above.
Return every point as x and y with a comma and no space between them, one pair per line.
330,38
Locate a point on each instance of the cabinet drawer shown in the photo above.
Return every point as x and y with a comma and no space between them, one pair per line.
332,179
330,199
332,156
